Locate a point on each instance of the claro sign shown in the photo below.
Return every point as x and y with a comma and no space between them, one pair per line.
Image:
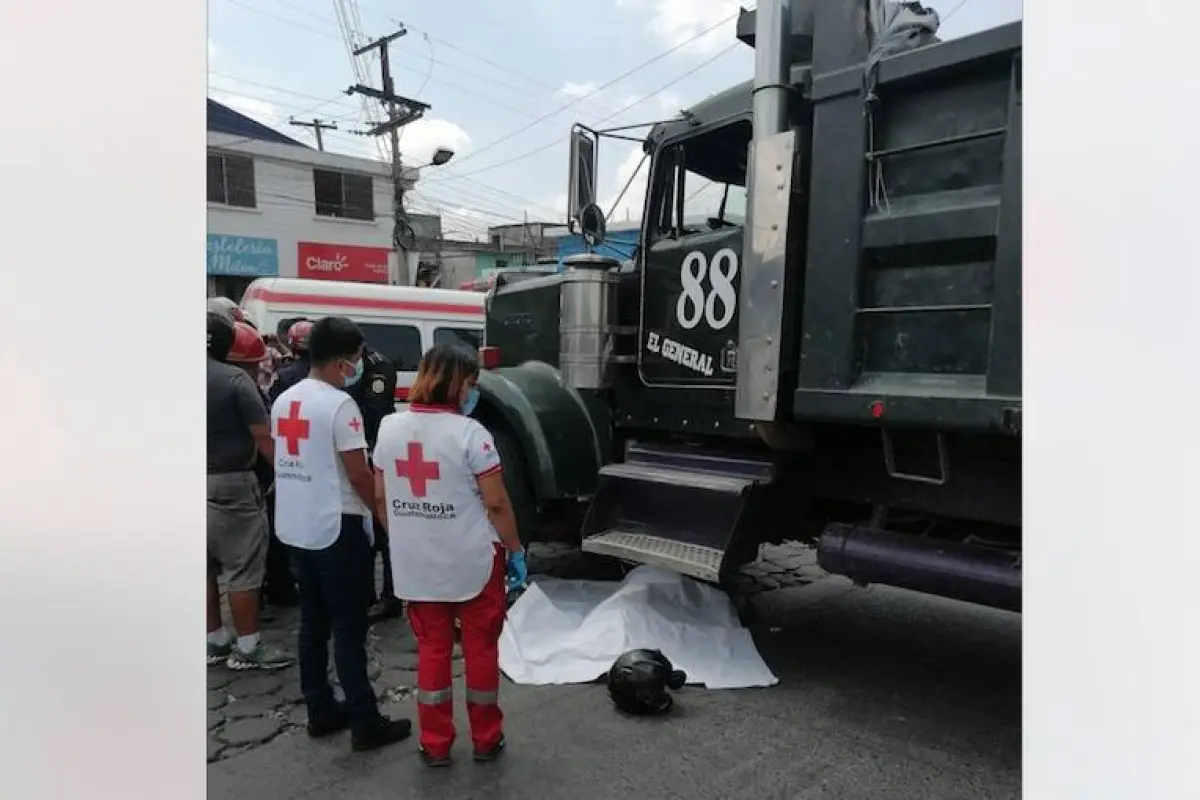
342,262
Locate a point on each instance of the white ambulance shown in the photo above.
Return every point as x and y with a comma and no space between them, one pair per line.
401,322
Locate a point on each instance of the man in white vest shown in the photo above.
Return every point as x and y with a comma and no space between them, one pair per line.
324,489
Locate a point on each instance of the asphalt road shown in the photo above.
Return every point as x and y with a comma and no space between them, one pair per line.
883,694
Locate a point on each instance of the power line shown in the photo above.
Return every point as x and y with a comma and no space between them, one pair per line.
444,207
954,10
557,142
339,98
599,89
501,197
429,40
518,203
526,202
448,84
286,20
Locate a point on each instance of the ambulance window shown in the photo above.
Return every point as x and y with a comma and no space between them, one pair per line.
400,343
470,338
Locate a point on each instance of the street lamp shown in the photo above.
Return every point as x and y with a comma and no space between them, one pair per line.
441,156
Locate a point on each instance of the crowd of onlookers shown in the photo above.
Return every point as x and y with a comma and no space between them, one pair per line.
311,473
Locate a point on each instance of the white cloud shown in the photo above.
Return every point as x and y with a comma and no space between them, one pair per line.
419,140
576,90
676,21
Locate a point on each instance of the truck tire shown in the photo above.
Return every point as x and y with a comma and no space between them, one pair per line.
516,481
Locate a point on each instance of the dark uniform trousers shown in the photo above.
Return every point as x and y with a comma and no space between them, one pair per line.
375,394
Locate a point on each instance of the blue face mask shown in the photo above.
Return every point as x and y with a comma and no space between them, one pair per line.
358,373
472,400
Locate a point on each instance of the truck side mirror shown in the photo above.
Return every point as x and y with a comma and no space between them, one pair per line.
581,191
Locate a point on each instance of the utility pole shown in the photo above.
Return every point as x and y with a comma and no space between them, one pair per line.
401,111
317,126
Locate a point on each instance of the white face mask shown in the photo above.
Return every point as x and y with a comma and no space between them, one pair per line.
356,376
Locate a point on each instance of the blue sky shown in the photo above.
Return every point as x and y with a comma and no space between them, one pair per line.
489,70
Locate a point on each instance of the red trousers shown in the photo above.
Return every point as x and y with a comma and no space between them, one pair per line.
482,620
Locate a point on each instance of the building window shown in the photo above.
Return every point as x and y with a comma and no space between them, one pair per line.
501,263
231,180
344,195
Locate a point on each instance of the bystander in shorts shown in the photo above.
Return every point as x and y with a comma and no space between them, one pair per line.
238,534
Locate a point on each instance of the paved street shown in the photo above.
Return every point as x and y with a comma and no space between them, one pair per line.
883,694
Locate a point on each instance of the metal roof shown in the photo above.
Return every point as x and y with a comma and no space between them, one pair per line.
223,119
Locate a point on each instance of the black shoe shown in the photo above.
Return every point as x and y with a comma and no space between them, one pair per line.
492,754
381,733
335,721
434,761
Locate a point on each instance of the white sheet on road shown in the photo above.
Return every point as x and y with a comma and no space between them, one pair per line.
563,631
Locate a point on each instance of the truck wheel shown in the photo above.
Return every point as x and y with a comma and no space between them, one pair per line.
516,481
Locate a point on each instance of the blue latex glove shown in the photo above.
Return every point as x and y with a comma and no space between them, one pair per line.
518,573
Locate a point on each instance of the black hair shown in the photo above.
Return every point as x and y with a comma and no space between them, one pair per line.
220,336
442,373
333,338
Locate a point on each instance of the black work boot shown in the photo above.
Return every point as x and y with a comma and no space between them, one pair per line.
434,761
380,733
334,721
491,754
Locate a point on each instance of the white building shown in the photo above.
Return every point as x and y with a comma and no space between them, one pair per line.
277,207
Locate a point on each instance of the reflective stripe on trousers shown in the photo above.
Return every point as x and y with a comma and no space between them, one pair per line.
482,698
435,697
433,625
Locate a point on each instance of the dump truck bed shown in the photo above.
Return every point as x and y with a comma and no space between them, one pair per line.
912,289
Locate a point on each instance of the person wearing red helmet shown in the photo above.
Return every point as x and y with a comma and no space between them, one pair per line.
238,432
249,352
248,349
296,338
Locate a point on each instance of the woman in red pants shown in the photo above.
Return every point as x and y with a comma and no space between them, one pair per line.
453,545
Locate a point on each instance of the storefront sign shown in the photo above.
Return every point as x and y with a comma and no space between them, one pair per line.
342,262
242,255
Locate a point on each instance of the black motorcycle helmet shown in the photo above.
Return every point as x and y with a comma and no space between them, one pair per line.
220,336
638,681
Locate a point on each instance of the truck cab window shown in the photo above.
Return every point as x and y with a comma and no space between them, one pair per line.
700,182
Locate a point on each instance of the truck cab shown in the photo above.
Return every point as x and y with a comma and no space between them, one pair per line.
819,338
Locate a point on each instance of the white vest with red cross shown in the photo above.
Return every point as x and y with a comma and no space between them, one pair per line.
312,424
442,542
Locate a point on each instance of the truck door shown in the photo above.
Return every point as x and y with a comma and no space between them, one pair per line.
692,259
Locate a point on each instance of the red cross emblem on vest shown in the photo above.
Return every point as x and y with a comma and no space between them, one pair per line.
293,428
418,471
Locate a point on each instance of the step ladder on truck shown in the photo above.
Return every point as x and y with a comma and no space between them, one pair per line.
828,351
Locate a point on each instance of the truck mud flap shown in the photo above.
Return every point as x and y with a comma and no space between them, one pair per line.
689,515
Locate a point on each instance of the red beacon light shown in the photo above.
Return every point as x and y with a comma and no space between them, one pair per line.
489,357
